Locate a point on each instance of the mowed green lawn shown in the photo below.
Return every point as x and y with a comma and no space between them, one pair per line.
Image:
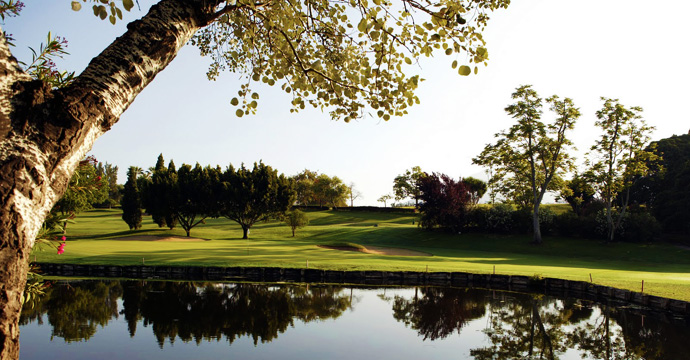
664,268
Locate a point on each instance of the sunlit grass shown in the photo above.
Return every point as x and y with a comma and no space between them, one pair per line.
665,269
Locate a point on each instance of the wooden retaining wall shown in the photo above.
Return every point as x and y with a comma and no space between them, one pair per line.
555,287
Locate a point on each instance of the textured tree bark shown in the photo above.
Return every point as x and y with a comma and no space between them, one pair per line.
45,132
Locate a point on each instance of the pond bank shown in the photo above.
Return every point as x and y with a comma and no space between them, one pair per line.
549,286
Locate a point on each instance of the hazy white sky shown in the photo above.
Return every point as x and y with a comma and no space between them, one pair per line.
626,49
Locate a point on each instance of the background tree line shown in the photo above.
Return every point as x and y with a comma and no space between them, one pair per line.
187,195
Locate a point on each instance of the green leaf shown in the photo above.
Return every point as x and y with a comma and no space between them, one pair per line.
112,19
449,51
464,70
255,96
362,26
239,112
455,64
128,4
234,102
76,5
408,61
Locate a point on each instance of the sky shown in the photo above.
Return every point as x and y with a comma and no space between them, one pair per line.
624,49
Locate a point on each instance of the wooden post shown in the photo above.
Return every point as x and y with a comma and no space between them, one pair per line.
590,277
427,268
642,286
307,263
494,269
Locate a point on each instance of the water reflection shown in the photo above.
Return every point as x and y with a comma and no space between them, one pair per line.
511,325
185,310
439,312
75,311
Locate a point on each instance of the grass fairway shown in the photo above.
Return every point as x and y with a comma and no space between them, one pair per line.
665,269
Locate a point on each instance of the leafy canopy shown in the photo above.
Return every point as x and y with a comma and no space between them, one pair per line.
529,158
344,56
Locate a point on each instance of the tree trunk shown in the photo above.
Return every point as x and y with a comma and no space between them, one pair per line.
245,232
546,338
44,133
535,226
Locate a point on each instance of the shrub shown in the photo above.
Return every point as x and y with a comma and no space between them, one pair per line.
546,220
499,218
476,219
641,227
522,221
568,224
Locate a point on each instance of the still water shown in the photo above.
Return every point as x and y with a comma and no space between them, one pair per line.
187,320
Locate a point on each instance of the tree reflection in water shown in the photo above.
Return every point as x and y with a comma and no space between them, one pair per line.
75,312
440,311
528,326
189,311
515,325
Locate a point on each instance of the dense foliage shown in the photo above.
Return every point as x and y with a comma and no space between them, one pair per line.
405,185
86,188
247,196
444,202
317,189
188,195
131,200
666,187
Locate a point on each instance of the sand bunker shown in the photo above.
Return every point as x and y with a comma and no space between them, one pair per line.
159,238
378,250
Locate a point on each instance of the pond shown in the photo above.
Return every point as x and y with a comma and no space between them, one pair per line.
110,319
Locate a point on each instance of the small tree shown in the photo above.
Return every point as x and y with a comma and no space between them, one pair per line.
295,219
131,200
477,188
384,199
405,185
353,193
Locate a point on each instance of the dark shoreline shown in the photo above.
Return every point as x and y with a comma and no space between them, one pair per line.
548,286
